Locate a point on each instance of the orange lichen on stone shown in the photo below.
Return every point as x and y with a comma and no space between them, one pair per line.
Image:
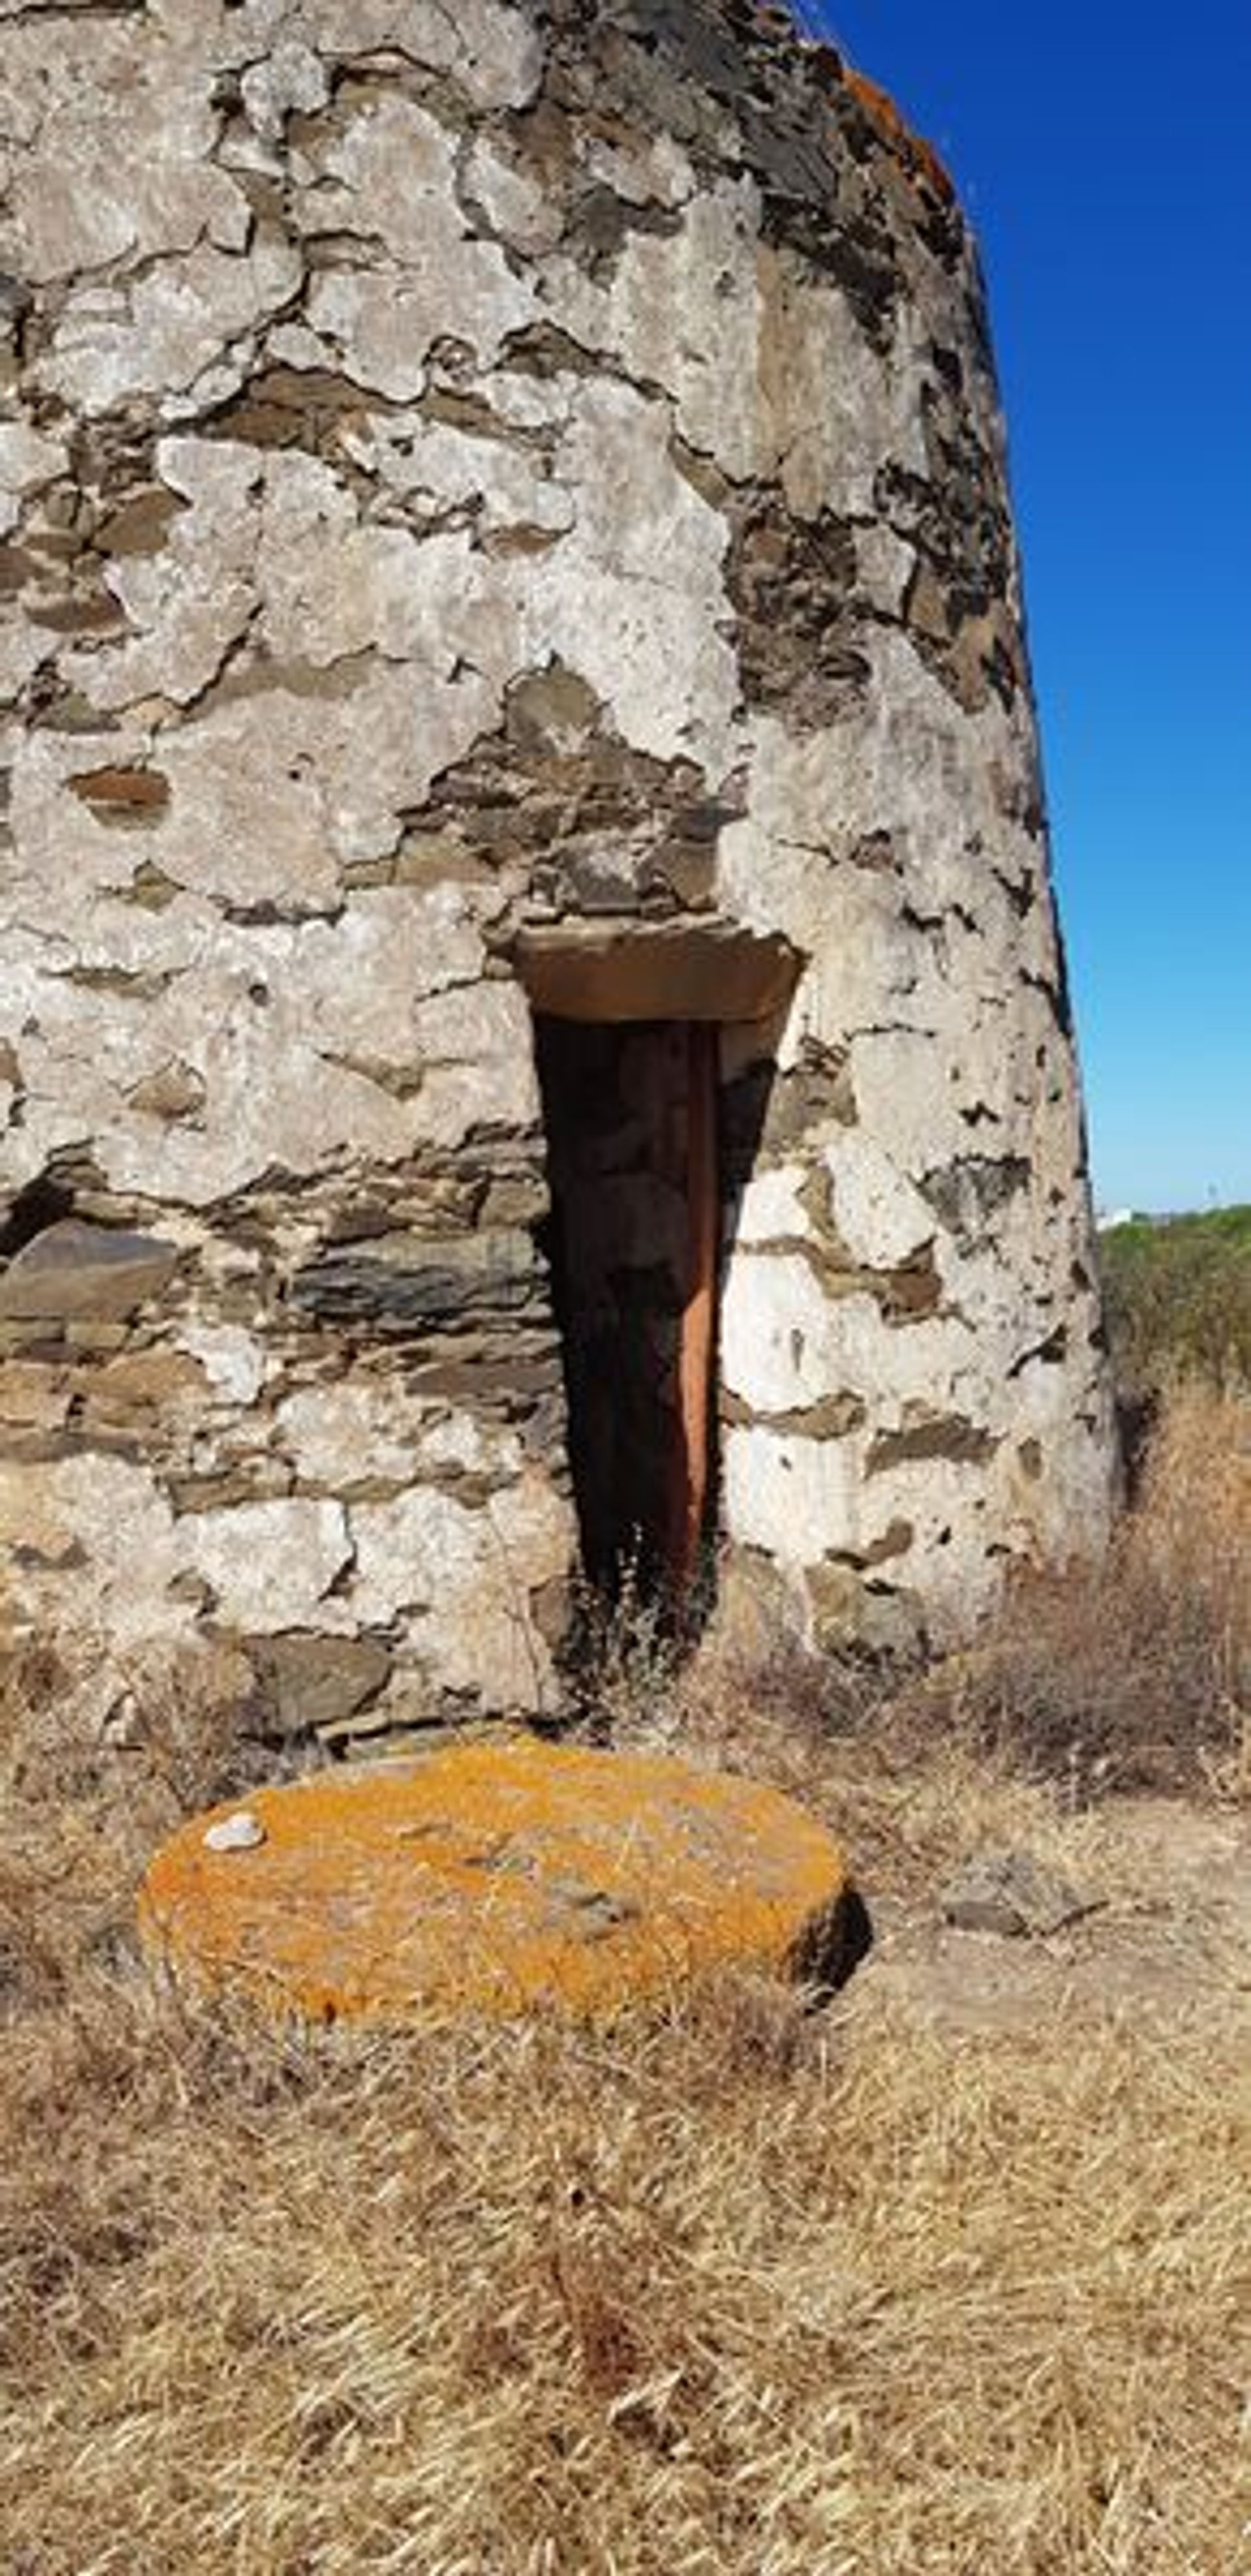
909,147
497,1879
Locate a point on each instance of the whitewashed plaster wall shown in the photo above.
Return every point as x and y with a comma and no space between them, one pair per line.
463,470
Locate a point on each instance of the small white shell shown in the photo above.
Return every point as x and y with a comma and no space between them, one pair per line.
240,1832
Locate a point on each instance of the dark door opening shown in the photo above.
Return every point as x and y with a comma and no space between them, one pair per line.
631,1115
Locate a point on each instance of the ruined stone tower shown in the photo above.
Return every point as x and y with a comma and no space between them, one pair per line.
533,1026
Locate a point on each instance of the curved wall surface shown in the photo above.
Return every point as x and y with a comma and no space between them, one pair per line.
479,486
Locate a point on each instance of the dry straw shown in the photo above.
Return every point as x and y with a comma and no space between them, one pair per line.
738,2290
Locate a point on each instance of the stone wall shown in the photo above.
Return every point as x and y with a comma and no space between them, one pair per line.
465,473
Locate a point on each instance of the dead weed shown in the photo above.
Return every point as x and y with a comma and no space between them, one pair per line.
744,2290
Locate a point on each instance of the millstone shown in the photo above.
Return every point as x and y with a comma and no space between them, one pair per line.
497,1878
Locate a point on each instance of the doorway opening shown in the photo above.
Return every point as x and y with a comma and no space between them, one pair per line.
634,1242
655,1045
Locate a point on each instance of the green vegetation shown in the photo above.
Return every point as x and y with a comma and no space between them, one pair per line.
1178,1299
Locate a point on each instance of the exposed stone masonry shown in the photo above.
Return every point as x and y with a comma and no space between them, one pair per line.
467,472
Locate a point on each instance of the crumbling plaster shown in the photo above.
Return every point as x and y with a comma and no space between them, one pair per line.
464,470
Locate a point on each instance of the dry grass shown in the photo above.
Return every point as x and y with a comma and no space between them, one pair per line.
745,2292
1137,1672
1133,1673
736,2294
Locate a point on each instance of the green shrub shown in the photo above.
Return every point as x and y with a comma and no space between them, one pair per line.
1177,1296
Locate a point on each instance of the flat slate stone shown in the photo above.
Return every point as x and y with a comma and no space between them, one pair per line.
74,1272
311,1682
500,1878
1012,1893
415,1282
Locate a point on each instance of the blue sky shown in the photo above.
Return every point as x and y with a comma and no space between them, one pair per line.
1102,155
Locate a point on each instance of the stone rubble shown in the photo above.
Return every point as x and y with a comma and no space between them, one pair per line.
1012,1893
240,1832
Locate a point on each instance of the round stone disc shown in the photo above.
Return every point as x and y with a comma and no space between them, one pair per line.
495,1878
